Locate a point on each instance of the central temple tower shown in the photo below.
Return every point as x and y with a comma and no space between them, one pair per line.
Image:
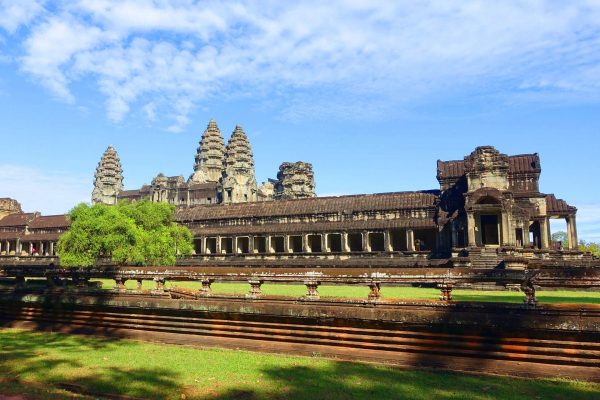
210,156
239,183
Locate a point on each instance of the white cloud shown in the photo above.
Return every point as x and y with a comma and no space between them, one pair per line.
51,192
14,13
179,54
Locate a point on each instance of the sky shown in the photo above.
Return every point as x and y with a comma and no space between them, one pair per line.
371,93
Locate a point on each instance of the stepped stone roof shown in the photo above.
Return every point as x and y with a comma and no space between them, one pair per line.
518,164
556,206
238,154
209,155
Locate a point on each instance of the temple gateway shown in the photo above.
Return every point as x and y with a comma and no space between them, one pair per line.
487,211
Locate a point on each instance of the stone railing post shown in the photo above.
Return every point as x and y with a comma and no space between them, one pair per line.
160,285
529,290
375,293
311,290
446,289
205,289
255,291
120,284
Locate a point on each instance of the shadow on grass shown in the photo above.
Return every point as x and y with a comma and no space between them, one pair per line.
359,381
24,358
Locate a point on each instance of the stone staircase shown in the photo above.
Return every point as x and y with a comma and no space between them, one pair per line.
486,258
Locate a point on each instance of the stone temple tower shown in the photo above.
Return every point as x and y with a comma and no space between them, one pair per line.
109,178
239,183
295,181
210,156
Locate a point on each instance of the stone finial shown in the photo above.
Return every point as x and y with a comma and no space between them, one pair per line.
209,156
108,178
295,181
239,182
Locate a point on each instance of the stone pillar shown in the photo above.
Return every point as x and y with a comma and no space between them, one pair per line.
572,233
218,245
139,285
365,241
454,235
387,241
234,243
410,240
506,240
526,242
345,244
51,249
544,233
305,245
269,248
203,245
251,245
40,249
286,243
324,243
471,230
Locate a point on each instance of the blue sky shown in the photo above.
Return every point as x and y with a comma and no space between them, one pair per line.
371,93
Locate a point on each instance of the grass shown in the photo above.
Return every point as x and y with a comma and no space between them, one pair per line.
361,292
43,361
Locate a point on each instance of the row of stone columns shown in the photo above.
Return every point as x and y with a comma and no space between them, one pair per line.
16,247
508,236
217,242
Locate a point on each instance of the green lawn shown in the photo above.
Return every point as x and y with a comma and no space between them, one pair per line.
42,361
361,292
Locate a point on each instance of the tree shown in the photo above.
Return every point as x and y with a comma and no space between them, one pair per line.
561,236
590,247
140,233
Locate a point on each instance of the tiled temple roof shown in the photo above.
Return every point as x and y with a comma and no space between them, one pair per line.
338,226
519,164
18,219
314,205
49,221
556,206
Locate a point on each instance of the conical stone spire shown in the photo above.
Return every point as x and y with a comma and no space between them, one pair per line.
108,178
239,183
209,156
238,155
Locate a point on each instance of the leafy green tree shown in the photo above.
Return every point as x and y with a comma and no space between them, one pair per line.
140,233
561,236
591,247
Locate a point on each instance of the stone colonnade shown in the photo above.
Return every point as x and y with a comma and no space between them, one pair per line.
512,232
330,242
23,247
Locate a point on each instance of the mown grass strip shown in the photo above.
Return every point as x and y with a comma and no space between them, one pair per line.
156,371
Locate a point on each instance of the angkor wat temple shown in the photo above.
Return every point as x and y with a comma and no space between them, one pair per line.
487,211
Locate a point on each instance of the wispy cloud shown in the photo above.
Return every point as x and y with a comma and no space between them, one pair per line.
51,192
588,222
182,54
